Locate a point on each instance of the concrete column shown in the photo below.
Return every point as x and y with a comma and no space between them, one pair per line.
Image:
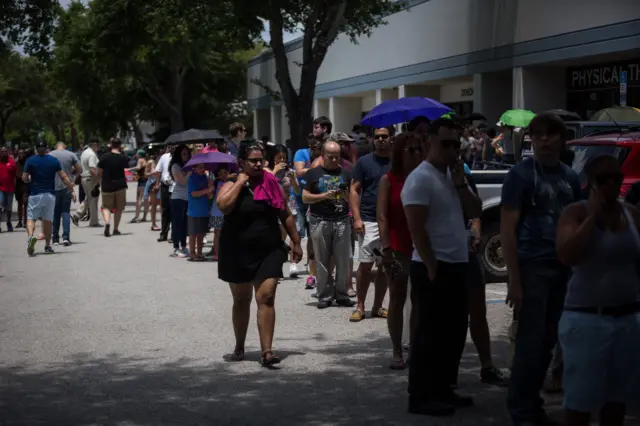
332,111
379,96
316,108
255,124
493,94
517,91
401,91
344,113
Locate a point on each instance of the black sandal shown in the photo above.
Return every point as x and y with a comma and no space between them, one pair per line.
238,355
269,361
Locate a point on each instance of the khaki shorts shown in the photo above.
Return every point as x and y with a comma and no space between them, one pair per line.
114,200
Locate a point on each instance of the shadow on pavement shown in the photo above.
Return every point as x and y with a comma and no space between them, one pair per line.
355,388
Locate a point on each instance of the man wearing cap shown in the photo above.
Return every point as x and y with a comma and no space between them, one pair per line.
363,200
40,173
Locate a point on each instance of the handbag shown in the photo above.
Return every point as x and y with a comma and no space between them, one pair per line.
95,192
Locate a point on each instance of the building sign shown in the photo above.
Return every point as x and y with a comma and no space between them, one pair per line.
460,92
603,76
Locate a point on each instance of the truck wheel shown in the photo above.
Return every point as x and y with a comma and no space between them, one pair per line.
491,253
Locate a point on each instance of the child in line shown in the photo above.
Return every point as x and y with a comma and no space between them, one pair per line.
217,218
200,189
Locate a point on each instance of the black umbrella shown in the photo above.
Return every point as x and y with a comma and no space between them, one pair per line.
192,136
565,115
474,116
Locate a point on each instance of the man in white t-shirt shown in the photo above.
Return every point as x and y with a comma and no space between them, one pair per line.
89,180
164,182
435,198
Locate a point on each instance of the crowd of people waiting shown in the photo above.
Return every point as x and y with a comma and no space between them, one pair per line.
410,204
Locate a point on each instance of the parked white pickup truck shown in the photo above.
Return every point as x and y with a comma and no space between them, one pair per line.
489,183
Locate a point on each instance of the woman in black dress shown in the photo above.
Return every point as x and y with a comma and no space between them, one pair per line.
251,249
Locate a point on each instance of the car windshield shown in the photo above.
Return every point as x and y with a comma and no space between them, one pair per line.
584,152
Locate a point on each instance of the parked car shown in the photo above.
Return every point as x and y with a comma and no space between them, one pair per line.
624,145
581,129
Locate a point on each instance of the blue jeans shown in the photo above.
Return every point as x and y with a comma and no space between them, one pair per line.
544,285
179,223
6,204
61,211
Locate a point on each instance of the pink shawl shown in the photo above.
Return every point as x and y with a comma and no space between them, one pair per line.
268,189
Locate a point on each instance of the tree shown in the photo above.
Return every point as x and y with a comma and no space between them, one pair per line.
321,22
22,84
159,46
28,23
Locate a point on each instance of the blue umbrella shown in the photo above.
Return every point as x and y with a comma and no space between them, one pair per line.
404,109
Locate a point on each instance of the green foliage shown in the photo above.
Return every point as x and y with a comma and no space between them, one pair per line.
23,83
28,23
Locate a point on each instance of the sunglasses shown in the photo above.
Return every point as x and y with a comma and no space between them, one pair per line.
255,160
414,149
609,178
450,143
385,137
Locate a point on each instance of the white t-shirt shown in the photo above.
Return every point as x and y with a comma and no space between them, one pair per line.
163,168
428,186
88,161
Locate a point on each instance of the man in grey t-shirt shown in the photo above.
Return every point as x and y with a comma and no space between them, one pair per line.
71,166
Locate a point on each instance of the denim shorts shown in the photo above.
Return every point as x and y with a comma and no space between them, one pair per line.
302,224
6,201
41,206
601,356
147,189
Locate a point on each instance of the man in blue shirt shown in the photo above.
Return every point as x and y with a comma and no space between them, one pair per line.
302,162
39,173
363,201
534,194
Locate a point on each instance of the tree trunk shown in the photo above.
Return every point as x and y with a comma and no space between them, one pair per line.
74,137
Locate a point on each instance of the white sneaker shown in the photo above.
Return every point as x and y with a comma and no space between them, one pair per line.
183,253
205,241
175,253
293,271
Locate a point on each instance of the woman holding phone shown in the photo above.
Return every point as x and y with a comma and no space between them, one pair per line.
600,328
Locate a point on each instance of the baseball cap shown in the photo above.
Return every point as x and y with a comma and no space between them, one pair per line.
339,137
41,144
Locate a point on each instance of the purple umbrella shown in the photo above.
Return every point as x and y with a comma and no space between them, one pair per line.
211,161
396,111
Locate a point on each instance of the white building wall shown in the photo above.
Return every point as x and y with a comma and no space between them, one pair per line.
344,112
424,33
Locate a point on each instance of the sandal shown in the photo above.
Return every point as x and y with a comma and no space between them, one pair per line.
356,316
268,359
397,364
155,228
237,355
351,293
380,313
196,259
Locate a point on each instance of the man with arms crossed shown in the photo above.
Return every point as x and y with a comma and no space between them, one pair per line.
40,173
436,197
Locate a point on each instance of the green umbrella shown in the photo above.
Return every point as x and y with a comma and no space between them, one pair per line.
448,115
517,117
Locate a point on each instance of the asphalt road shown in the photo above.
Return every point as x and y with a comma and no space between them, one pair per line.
114,332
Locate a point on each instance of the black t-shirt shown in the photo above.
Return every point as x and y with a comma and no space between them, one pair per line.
321,180
113,166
